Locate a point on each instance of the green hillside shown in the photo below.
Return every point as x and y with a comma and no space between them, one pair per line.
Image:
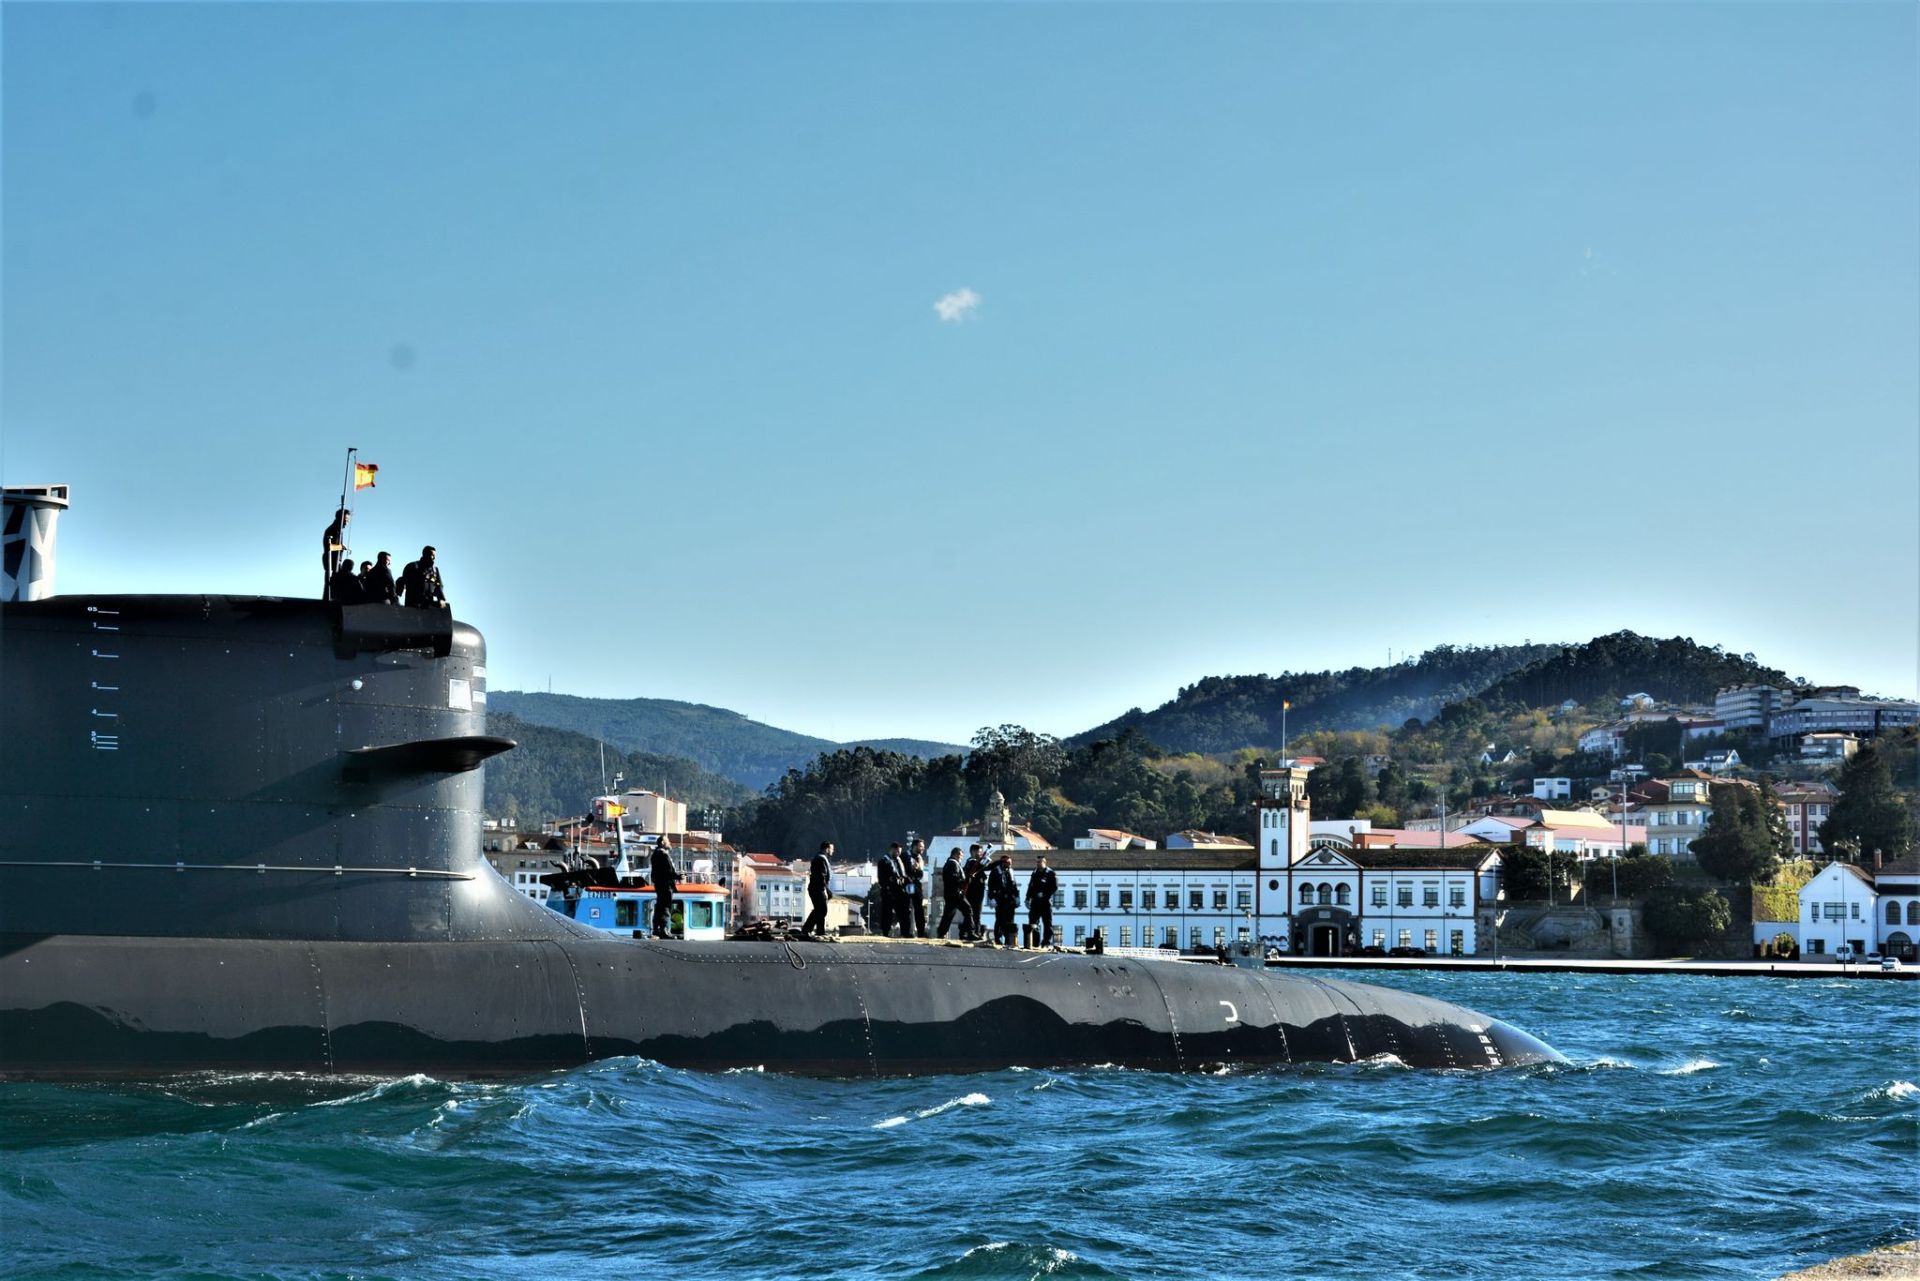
1611,667
724,742
555,772
1222,713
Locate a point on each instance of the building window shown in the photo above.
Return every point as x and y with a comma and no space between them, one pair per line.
1457,896
1458,941
1219,936
1306,895
1433,940
1853,911
1195,902
1173,937
1406,938
1431,897
1379,938
1893,912
1406,896
1080,899
1101,900
1079,936
1243,900
1146,900
1379,896
1126,936
1126,900
1196,938
1060,900
1913,913
1219,900
1343,894
1274,847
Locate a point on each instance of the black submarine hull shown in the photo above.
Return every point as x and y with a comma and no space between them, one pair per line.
114,1007
242,833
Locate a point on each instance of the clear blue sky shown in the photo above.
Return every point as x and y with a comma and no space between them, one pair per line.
1294,335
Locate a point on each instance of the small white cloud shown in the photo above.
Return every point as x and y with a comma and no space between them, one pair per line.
957,305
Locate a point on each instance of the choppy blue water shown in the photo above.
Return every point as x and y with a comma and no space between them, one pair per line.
1706,1128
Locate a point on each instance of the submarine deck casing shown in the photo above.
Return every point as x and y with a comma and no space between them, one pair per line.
244,833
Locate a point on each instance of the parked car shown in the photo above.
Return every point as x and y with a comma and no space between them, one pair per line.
1890,963
1844,953
1406,951
1373,949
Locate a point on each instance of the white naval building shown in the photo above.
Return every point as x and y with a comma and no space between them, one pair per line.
1318,894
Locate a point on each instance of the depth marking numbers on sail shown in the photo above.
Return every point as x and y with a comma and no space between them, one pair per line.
101,740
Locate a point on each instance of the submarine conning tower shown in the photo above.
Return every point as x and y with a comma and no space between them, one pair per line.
245,767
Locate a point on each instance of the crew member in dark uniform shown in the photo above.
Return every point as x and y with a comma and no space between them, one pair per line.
819,875
953,889
333,548
1041,887
976,873
377,586
420,584
665,881
913,918
887,891
344,587
1005,893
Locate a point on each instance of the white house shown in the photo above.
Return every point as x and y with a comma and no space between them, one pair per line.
1604,740
1836,907
1715,762
1552,789
1109,838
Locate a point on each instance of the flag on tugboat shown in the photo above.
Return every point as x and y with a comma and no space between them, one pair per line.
363,474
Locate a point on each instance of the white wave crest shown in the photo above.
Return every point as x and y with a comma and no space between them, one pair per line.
964,1101
1905,1091
384,1088
1689,1068
758,1067
991,1247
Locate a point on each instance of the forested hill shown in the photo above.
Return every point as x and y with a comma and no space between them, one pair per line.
725,742
1610,667
1222,713
555,773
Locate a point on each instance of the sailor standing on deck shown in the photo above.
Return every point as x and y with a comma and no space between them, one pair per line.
888,891
1041,887
819,876
914,918
665,881
976,874
953,889
1005,893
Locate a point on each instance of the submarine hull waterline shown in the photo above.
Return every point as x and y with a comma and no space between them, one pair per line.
243,833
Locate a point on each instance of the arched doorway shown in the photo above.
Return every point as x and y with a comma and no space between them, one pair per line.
1898,944
1322,931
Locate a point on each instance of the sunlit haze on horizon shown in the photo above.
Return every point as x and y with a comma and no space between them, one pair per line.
895,371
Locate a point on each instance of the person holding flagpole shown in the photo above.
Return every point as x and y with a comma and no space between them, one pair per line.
333,542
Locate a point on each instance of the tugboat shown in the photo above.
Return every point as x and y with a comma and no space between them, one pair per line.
244,833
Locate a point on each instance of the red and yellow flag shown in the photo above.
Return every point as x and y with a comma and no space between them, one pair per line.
363,474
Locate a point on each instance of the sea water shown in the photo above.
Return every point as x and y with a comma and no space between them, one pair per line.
1704,1128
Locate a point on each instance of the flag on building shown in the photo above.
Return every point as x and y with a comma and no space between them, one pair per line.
363,474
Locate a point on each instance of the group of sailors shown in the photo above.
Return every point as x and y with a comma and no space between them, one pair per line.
899,895
373,583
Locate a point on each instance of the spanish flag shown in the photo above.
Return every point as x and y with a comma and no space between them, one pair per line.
363,474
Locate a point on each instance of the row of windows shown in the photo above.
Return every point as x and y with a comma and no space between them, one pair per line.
1456,940
1893,913
1150,901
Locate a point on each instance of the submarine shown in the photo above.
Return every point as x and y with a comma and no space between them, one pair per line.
243,833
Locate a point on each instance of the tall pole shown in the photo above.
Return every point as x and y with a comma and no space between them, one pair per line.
1284,705
346,485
